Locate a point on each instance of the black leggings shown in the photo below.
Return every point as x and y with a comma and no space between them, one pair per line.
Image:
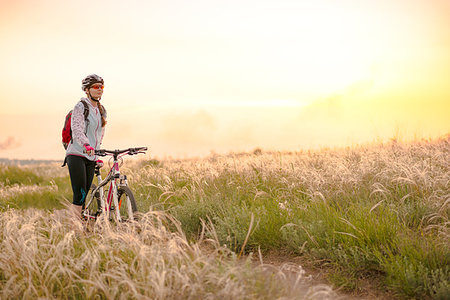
81,172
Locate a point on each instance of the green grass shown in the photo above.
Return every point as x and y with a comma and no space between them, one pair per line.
43,200
23,188
10,175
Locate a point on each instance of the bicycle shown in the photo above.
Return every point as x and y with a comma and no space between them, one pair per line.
120,199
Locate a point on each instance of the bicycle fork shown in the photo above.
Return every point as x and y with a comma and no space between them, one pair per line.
100,191
113,198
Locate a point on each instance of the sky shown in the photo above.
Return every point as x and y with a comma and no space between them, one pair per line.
191,78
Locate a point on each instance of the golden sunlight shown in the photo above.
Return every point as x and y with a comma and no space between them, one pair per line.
282,75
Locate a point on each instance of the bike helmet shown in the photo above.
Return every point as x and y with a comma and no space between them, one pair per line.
90,80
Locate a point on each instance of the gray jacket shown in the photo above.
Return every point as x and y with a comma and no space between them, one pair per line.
90,132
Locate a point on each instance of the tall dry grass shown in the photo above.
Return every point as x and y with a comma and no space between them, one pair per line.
376,211
51,255
411,179
379,210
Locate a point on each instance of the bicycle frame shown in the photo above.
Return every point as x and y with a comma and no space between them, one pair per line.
115,180
112,177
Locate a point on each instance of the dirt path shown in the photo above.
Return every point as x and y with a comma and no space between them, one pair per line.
368,289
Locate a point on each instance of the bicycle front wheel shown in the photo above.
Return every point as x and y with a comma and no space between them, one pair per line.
127,204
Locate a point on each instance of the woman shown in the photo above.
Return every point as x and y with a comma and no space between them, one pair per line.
87,136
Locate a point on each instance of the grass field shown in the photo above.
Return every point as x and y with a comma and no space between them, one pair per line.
377,212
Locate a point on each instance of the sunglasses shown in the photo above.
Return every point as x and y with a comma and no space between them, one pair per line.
97,86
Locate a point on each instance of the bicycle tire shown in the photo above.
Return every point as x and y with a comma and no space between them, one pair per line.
126,201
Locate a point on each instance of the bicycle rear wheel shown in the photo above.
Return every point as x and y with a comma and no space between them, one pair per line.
127,204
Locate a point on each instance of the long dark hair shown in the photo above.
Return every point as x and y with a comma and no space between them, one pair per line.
102,113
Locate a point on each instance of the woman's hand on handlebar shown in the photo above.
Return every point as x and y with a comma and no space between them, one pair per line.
100,163
88,149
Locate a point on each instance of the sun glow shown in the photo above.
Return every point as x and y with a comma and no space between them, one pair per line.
284,74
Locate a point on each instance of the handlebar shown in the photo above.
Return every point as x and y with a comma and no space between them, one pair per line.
129,151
